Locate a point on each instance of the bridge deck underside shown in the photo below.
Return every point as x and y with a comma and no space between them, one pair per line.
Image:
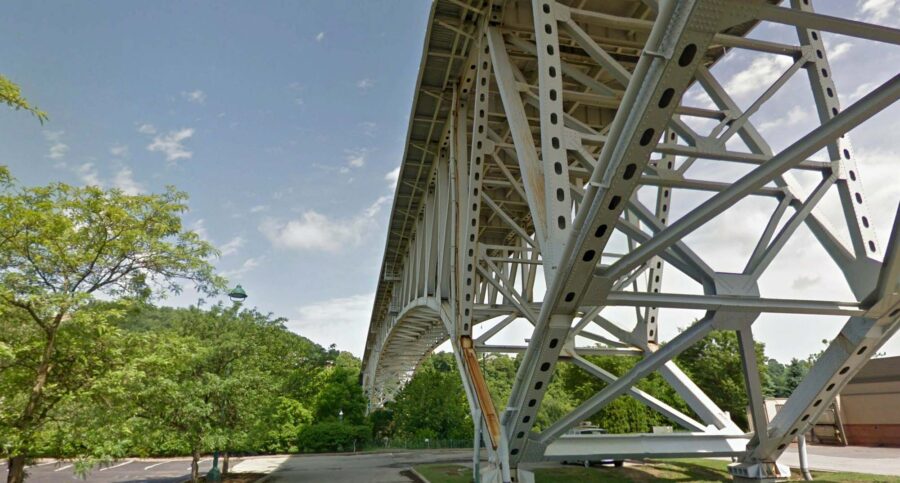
548,146
448,43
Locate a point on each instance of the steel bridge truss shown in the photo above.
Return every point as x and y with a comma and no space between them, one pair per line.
547,145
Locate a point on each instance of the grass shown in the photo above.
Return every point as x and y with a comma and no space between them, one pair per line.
686,470
443,473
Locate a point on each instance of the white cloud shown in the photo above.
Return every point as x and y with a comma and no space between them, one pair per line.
368,128
875,10
320,36
87,172
804,282
259,208
356,159
365,84
315,231
248,265
860,91
793,117
124,180
147,129
761,73
393,176
199,227
341,321
171,144
839,50
118,150
58,149
196,96
232,246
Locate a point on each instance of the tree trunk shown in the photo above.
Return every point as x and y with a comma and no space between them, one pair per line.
195,466
27,421
225,464
16,466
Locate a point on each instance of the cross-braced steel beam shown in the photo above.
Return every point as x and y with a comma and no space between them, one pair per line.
547,141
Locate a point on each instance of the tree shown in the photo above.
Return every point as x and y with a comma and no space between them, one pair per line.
623,414
11,95
725,384
433,404
333,436
61,247
205,380
87,348
340,391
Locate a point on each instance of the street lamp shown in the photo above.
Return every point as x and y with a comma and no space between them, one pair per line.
237,295
341,415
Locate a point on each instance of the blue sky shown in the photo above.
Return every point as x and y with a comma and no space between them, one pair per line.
284,121
265,112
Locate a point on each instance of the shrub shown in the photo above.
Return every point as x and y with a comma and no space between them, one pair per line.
333,436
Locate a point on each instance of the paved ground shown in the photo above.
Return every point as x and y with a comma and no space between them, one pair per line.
388,467
350,468
857,459
171,470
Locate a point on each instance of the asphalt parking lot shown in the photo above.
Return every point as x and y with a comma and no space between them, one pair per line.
164,470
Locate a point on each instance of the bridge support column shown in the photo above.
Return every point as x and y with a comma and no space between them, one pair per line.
524,476
476,447
764,471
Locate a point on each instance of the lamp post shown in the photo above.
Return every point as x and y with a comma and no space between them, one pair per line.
341,415
237,295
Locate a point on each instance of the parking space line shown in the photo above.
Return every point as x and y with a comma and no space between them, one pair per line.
64,468
118,465
157,464
198,463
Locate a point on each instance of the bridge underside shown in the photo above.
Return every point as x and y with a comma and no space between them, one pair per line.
562,155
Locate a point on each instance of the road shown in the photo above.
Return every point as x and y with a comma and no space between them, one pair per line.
389,467
382,467
856,459
170,470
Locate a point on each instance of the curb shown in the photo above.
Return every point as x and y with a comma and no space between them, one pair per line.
419,475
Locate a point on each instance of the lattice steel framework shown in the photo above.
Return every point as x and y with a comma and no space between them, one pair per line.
548,142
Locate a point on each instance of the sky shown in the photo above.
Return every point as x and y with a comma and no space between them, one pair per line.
286,121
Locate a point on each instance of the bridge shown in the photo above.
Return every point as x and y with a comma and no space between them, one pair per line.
555,170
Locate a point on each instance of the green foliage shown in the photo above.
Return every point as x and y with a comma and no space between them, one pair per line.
382,421
433,404
11,95
332,436
340,391
623,414
63,248
211,380
87,347
725,384
284,421
784,378
499,372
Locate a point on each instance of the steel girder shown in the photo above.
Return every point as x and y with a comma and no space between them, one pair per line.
546,144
